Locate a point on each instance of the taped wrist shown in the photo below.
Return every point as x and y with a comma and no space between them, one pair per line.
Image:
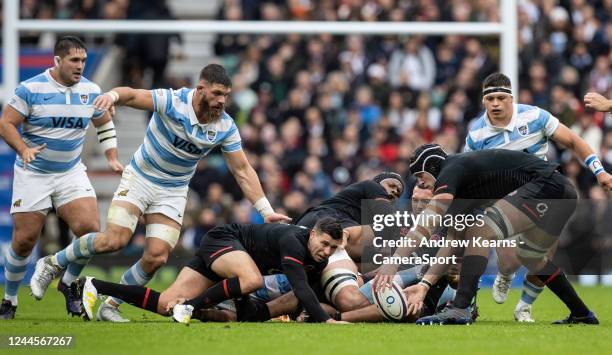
107,136
264,207
593,162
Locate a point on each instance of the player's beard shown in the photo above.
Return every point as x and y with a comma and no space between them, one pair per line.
213,114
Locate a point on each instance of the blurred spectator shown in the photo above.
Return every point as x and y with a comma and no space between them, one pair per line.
588,130
412,66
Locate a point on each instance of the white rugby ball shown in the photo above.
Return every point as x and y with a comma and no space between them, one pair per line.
391,303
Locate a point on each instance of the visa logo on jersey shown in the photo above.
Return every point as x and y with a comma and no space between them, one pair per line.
186,146
68,122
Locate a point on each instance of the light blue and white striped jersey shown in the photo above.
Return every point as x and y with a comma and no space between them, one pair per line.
57,115
528,131
176,140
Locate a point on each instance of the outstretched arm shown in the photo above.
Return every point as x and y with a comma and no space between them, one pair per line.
249,183
125,96
572,141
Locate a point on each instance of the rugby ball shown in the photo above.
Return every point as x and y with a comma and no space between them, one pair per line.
391,303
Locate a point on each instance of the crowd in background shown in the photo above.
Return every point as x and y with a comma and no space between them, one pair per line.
319,112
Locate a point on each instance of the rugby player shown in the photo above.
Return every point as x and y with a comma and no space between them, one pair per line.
341,280
275,299
54,109
230,263
507,125
186,125
522,188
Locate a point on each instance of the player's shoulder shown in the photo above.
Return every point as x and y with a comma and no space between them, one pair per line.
177,100
289,234
478,123
464,159
89,86
225,124
370,186
37,83
181,94
531,113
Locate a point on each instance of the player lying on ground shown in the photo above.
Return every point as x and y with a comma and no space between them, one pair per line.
186,125
531,198
276,299
341,279
506,125
54,109
230,263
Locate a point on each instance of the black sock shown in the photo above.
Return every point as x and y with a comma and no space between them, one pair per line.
224,290
555,279
433,296
472,267
249,310
136,295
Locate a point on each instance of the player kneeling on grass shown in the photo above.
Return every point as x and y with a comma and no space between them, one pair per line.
230,263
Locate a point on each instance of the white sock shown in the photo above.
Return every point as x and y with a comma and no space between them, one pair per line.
11,298
521,304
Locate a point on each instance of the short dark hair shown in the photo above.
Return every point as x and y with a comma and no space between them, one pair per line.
215,74
496,80
331,226
64,44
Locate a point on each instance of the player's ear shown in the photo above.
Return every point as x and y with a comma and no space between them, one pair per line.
56,60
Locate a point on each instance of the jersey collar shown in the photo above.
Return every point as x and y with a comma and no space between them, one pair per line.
510,126
193,119
58,86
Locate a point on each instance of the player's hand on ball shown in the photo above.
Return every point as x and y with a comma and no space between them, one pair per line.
597,101
277,218
29,154
605,181
415,295
384,277
333,321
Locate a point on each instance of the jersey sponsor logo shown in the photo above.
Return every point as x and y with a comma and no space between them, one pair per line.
523,130
84,98
47,98
186,146
542,208
68,122
123,193
211,135
17,203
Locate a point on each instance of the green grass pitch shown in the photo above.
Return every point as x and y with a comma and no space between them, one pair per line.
495,332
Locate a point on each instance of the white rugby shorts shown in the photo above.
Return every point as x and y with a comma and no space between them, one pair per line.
39,192
151,198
